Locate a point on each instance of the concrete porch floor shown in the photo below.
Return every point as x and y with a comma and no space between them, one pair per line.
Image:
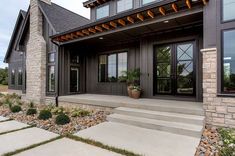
113,101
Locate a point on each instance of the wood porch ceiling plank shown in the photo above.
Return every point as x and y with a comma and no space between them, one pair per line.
148,14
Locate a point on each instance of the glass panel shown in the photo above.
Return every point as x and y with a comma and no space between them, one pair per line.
164,86
12,76
112,68
102,68
185,52
184,81
74,79
51,78
229,61
51,57
163,68
228,10
148,1
122,65
123,5
20,76
102,12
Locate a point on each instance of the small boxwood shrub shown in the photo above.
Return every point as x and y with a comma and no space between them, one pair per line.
62,119
80,113
15,109
31,111
57,110
44,115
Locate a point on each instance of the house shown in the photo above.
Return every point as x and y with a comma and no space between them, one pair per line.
183,48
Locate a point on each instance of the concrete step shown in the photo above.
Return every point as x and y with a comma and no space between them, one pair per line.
168,108
165,116
172,127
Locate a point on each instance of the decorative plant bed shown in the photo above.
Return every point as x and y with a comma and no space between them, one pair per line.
217,142
79,119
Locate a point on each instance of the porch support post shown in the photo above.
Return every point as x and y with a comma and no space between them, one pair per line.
219,110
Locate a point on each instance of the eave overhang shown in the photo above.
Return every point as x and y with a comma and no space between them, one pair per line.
166,8
94,3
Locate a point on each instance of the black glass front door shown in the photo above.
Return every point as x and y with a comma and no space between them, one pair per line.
174,69
74,79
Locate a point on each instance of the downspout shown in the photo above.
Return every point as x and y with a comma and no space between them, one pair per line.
57,81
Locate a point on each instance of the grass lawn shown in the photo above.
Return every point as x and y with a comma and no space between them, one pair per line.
3,88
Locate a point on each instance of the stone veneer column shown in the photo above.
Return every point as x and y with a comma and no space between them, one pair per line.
219,111
36,56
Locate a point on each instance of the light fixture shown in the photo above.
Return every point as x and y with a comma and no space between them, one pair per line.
166,21
101,38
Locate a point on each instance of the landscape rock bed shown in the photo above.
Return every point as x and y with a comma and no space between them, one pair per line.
77,123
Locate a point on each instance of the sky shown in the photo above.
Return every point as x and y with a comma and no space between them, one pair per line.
9,10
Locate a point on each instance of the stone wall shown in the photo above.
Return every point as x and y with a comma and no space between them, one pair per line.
36,56
219,111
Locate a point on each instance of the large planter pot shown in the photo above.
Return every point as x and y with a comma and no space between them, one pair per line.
129,91
135,94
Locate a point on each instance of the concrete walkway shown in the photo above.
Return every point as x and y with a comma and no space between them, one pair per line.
67,147
140,140
23,138
3,118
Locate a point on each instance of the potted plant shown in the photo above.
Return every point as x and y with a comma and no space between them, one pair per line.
135,92
132,79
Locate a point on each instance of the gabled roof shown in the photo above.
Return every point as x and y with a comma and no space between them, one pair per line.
60,18
17,28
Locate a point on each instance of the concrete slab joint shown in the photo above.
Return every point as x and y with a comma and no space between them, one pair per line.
219,111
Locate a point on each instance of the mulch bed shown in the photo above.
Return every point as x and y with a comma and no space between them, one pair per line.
76,124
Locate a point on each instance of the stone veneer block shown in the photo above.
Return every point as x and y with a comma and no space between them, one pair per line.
219,111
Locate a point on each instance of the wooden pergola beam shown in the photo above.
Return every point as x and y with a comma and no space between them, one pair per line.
130,19
162,11
204,2
140,17
150,14
122,22
113,24
86,32
92,30
188,3
79,33
106,26
98,28
174,7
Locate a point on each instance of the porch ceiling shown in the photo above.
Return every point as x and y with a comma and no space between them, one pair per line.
147,19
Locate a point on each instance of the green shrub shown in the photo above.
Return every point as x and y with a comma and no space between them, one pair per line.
57,110
79,113
15,109
31,111
228,138
62,119
31,104
44,115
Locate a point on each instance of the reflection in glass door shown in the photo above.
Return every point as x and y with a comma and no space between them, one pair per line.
174,69
74,79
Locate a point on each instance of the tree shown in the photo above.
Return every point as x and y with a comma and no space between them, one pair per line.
4,76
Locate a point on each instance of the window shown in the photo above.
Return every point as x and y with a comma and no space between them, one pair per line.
147,1
51,73
51,57
123,5
228,10
228,80
13,77
112,67
102,12
20,77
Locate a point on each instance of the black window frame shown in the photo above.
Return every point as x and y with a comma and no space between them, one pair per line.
13,77
118,12
49,64
20,77
222,62
106,68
